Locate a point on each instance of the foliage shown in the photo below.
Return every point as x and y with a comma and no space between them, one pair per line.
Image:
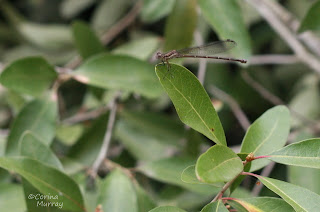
89,122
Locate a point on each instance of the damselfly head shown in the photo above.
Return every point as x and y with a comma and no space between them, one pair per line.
159,55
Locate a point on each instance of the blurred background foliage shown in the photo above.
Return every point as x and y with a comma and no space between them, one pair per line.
147,129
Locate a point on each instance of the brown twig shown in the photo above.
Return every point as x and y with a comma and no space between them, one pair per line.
107,137
286,34
310,39
235,107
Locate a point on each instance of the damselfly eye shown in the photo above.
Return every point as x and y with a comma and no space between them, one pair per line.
159,55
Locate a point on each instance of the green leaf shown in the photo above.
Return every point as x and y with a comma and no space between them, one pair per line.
155,10
31,75
267,134
304,153
262,204
13,199
141,48
51,37
191,101
70,8
299,198
226,19
167,209
312,19
117,193
305,177
240,178
184,11
145,203
108,13
218,164
38,117
160,133
69,134
47,180
34,148
169,171
119,72
215,206
85,151
189,176
86,41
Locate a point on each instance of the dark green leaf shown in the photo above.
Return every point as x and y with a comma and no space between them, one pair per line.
47,180
31,75
191,101
218,164
312,19
117,193
267,134
85,151
86,41
38,117
183,14
226,19
119,72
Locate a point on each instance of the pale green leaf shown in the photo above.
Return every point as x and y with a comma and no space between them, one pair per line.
191,101
216,206
38,117
52,37
119,72
169,171
262,204
160,133
141,48
189,176
70,8
108,12
34,148
304,153
167,209
301,199
12,198
218,164
267,134
154,10
31,75
117,193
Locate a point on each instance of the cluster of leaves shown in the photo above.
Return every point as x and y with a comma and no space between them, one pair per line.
52,155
